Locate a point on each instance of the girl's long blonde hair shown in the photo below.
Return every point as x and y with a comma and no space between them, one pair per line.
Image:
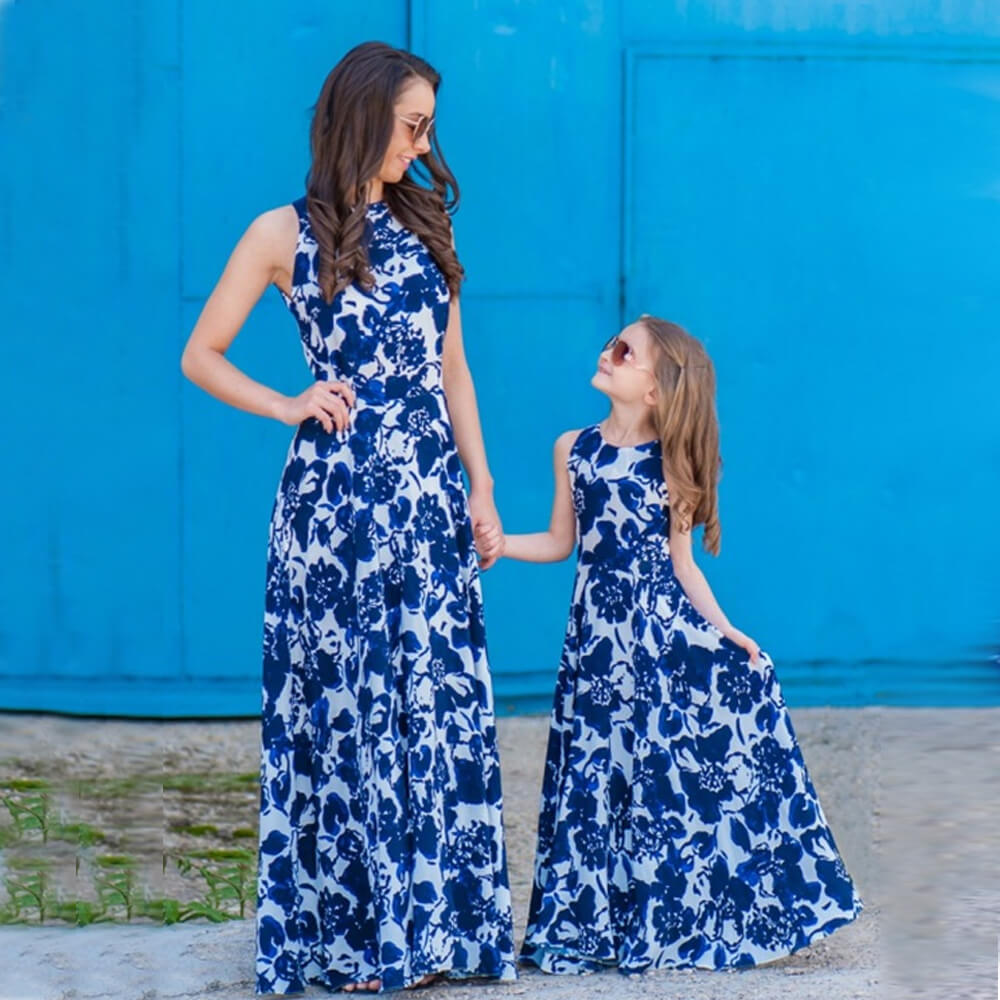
688,427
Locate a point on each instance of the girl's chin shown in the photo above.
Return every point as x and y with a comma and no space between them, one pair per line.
600,382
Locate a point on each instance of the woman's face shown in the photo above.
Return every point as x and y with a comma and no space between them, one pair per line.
416,99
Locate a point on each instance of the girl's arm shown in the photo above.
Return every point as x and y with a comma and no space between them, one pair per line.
558,542
693,581
460,392
263,256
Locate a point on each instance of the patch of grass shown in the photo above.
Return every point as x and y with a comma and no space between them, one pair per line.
24,784
166,911
115,788
225,876
224,854
199,909
30,806
79,912
116,883
196,829
210,782
81,834
27,885
229,873
9,835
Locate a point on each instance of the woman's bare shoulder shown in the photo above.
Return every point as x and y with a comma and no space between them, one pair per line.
271,239
276,229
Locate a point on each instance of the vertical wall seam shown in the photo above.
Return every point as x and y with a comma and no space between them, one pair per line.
181,622
624,160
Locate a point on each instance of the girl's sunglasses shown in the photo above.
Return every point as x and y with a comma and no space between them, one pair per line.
418,128
621,353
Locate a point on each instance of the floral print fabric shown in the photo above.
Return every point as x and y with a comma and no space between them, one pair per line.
381,847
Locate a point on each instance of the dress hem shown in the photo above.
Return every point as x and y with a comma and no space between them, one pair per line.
507,973
548,954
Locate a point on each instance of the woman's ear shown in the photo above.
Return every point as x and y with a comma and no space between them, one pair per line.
652,396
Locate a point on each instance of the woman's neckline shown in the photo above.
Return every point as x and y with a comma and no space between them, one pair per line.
622,447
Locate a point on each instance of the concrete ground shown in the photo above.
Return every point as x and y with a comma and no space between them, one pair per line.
911,795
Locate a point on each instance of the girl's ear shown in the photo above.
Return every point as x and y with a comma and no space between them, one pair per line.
652,395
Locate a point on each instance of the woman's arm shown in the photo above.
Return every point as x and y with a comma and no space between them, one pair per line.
693,581
460,393
558,542
263,256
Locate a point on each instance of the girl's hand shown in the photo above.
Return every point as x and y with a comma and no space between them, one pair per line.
328,402
486,522
742,639
487,541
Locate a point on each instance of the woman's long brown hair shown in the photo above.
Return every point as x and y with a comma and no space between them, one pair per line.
688,427
351,128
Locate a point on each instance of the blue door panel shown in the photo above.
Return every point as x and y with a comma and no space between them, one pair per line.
828,224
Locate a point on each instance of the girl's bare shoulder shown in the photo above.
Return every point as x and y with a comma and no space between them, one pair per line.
565,441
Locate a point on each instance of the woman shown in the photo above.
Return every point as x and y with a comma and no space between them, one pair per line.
382,861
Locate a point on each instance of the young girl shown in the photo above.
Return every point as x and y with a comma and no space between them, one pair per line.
678,824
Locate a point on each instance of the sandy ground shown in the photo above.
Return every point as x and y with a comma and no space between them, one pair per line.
911,795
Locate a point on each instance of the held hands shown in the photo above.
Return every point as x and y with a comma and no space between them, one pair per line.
487,529
490,544
328,402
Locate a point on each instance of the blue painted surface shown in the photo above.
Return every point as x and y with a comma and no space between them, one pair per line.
810,187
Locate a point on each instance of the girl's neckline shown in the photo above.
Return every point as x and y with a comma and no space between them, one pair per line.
623,447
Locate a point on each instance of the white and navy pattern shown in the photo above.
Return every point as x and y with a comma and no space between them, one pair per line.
381,845
679,826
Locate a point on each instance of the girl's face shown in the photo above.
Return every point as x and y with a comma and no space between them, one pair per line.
415,102
625,367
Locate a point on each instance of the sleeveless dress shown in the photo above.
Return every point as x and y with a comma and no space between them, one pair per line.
678,825
381,846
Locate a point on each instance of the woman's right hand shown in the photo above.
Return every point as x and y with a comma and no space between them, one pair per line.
328,402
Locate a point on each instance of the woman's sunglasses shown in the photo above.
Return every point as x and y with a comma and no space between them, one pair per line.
418,128
621,353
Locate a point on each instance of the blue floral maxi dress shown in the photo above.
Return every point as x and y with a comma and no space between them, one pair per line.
381,846
678,824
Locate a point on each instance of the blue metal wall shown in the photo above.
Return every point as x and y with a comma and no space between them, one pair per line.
813,188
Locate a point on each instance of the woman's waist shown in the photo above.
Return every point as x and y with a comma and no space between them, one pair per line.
382,389
381,430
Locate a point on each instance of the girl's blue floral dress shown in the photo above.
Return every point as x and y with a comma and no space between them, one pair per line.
679,826
381,847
